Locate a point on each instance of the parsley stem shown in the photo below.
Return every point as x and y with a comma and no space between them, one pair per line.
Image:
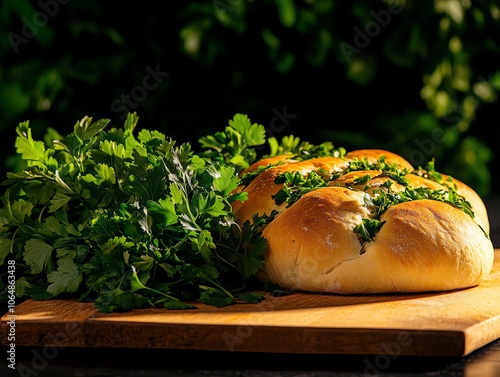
225,291
188,208
161,293
12,241
138,285
41,212
222,259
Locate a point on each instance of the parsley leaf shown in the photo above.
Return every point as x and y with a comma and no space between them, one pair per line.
38,255
66,278
29,149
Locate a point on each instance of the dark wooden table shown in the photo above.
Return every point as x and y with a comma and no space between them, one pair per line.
126,362
79,362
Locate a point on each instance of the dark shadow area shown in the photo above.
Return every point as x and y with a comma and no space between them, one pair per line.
158,362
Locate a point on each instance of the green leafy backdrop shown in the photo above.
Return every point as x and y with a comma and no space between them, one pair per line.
418,78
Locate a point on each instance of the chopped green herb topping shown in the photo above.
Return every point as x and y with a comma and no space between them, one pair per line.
361,180
430,173
380,164
382,200
368,228
295,185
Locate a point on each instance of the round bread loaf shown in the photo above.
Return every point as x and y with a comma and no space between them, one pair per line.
432,236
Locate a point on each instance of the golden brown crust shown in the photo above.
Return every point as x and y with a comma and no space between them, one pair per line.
422,245
282,158
311,237
373,155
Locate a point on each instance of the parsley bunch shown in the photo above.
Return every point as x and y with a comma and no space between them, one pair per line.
127,221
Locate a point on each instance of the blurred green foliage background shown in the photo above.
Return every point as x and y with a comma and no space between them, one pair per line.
418,78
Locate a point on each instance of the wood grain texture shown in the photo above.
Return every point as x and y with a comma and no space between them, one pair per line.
445,323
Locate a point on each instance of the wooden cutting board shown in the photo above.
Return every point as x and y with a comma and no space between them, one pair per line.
439,324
